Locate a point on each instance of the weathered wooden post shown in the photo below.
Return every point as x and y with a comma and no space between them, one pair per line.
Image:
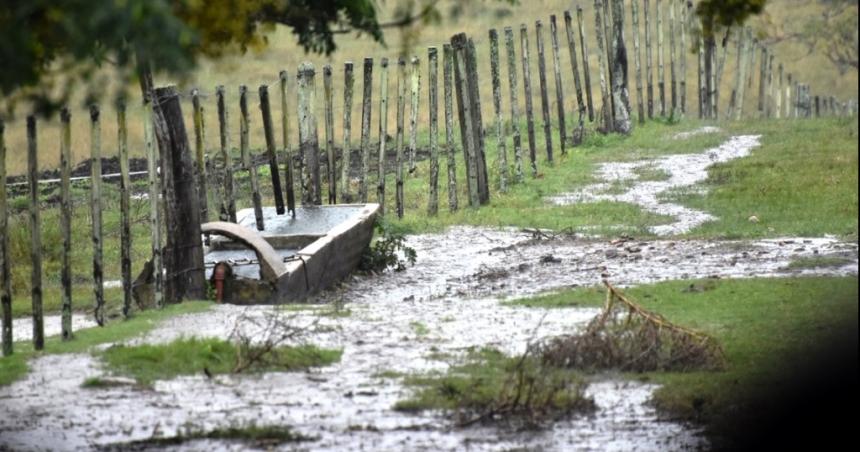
184,260
574,65
544,97
778,93
559,89
649,72
661,75
266,113
753,49
155,219
672,77
245,152
228,202
527,91
345,153
35,236
685,6
433,82
330,169
636,33
200,153
769,101
96,212
365,129
5,274
762,83
721,64
450,144
415,88
66,221
497,110
702,92
515,107
124,208
466,78
711,70
620,93
606,106
398,139
289,168
586,71
383,132
737,105
308,140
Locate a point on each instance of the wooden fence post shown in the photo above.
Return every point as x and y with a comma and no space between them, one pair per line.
289,168
155,220
769,100
228,203
515,107
330,169
601,53
661,75
346,151
684,50
574,65
398,140
415,88
96,212
125,207
673,79
245,152
737,105
66,221
762,83
5,275
788,97
450,144
383,132
527,90
365,129
638,59
497,110
702,92
308,138
778,94
266,112
580,24
649,71
559,89
35,235
200,153
621,121
432,81
471,129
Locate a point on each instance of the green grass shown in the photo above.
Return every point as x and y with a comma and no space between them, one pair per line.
148,363
817,262
768,329
15,366
802,181
258,437
419,328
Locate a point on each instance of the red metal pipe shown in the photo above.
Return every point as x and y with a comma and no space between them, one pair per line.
219,274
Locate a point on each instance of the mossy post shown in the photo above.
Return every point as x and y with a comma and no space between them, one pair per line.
475,92
383,132
661,73
649,71
125,207
200,153
527,92
365,129
586,72
673,89
450,143
245,152
640,105
559,88
184,260
289,168
466,79
35,235
308,139
398,139
515,105
96,212
5,274
66,221
345,152
155,218
497,110
606,105
574,65
685,17
228,202
414,90
433,92
328,102
266,113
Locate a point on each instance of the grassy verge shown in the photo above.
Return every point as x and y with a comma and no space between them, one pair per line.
252,435
15,366
769,328
148,363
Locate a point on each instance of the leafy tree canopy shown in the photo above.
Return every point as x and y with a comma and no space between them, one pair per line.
720,14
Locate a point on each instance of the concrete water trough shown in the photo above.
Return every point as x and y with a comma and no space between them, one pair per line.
291,258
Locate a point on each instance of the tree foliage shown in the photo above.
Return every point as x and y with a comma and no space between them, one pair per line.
715,15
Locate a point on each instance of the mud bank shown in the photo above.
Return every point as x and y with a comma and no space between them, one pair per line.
682,170
453,292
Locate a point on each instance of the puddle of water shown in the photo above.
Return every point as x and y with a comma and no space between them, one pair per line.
684,170
454,291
